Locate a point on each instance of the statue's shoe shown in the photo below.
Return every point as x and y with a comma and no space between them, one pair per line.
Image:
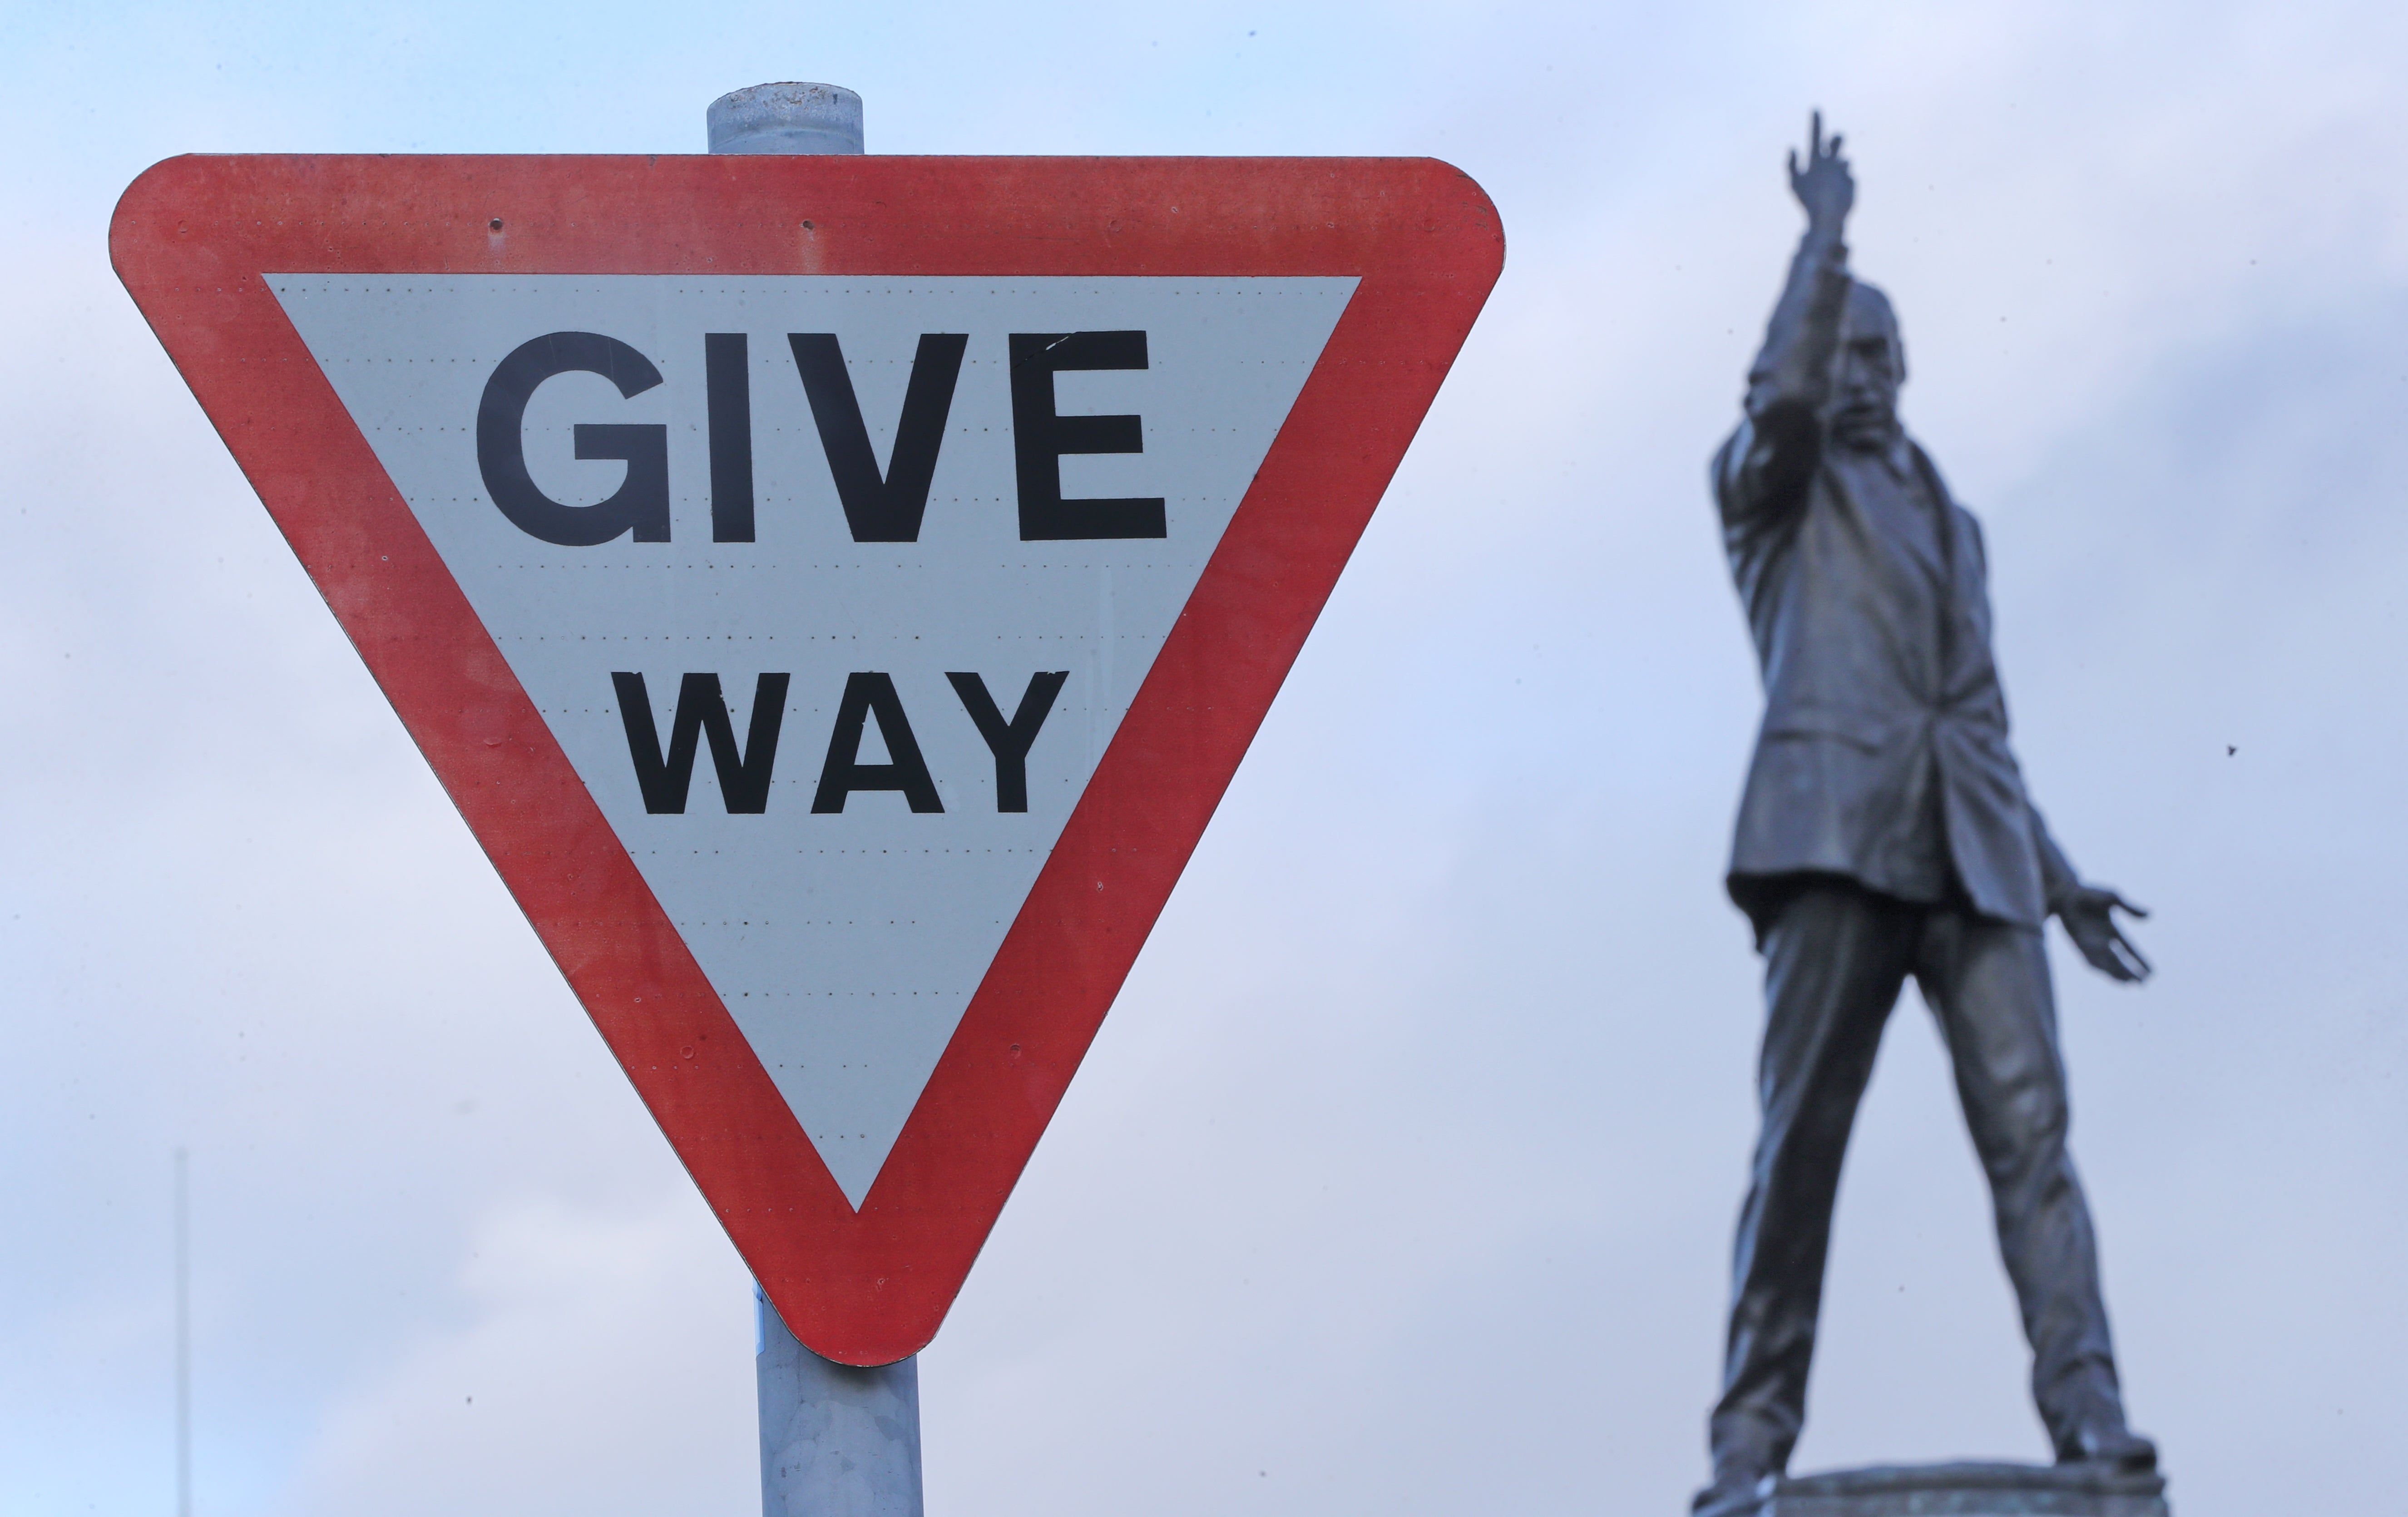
2109,1443
1735,1490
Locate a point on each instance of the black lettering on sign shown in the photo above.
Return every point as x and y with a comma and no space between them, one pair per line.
844,773
881,507
641,502
1040,438
727,391
1010,741
701,708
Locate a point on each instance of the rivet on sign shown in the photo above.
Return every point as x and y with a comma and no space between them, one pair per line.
495,225
807,226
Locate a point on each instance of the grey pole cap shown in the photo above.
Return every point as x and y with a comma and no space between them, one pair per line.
786,118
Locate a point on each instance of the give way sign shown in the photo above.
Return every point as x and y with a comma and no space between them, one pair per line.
837,591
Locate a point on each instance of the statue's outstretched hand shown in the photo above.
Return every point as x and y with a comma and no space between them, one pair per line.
1825,187
2087,913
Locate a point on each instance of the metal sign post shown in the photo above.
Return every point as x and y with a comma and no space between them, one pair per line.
836,1440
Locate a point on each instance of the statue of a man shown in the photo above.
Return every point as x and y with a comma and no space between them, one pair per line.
1885,834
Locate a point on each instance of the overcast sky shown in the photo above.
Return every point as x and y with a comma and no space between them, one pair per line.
1401,1180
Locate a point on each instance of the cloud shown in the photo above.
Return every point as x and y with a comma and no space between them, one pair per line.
595,1369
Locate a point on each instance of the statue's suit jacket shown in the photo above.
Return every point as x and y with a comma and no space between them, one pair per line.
1884,716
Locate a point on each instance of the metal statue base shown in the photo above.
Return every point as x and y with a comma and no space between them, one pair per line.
1962,1490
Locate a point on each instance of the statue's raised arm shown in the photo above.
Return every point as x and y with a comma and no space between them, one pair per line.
1764,469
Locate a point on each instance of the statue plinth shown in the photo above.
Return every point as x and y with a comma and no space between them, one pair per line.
1962,1490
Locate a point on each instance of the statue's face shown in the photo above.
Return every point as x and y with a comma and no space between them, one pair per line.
1871,367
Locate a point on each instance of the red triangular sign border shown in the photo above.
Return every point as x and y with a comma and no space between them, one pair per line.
192,239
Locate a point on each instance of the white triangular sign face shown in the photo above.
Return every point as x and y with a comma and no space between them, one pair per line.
845,868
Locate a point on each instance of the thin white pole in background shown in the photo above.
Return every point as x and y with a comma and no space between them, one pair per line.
183,1335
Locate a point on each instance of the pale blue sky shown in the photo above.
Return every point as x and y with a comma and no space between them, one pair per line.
1401,1180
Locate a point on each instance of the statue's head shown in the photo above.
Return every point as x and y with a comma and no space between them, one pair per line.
1871,365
